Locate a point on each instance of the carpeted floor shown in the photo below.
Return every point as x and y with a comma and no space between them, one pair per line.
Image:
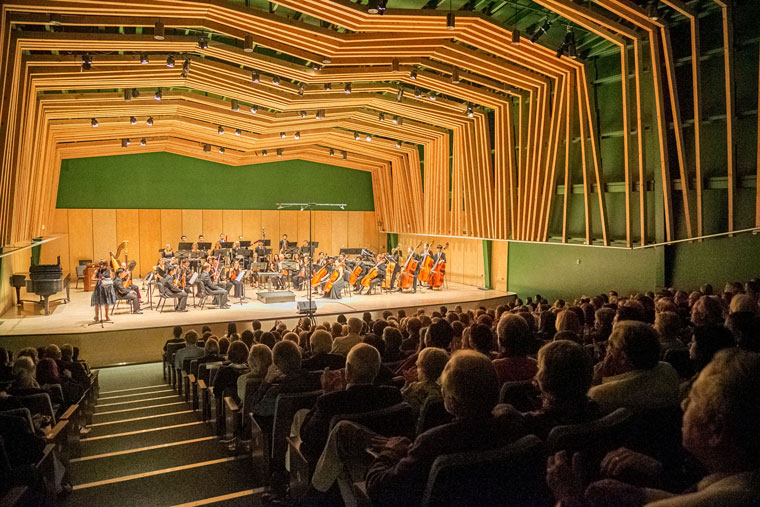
148,447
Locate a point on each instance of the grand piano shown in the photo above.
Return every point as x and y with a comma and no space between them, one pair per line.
44,280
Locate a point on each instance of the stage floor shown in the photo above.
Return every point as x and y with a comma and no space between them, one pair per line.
77,315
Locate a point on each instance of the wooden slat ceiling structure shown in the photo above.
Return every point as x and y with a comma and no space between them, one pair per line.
435,169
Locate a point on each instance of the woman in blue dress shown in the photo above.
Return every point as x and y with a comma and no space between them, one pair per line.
104,294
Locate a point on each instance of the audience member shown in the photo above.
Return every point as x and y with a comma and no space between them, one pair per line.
321,343
343,344
516,343
430,364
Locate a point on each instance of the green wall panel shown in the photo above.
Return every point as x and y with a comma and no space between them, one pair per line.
565,271
169,181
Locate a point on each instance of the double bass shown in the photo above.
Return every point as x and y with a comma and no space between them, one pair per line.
426,267
406,277
438,272
390,268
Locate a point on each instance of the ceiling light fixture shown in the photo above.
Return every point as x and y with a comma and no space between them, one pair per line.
276,80
124,143
652,11
303,114
394,65
221,150
356,136
320,114
455,75
143,58
540,31
515,37
470,111
328,87
347,89
398,144
159,94
301,89
127,95
86,62
332,152
297,135
369,137
417,92
143,142
149,121
279,152
185,67
135,93
344,155
254,109
220,130
326,60
202,43
248,43
381,116
235,106
170,61
263,153
400,94
255,76
450,21
207,147
238,132
413,74
282,135
94,122
132,120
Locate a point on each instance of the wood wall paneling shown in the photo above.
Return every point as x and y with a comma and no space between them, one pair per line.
322,221
103,233
60,246
251,223
150,238
213,224
303,227
171,227
80,237
339,231
499,252
372,238
192,223
270,221
356,236
289,224
128,228
232,223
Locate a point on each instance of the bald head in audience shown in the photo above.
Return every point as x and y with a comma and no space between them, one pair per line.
469,385
362,364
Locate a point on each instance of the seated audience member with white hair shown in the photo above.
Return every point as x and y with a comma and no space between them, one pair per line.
720,422
343,344
321,343
632,374
470,391
349,393
668,327
430,364
564,378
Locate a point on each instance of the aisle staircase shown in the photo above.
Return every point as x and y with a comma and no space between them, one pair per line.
147,446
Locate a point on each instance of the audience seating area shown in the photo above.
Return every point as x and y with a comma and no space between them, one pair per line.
573,403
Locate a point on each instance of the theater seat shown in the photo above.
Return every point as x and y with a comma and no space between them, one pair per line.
508,476
432,414
522,395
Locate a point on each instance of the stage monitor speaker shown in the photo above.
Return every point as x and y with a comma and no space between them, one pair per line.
305,308
276,296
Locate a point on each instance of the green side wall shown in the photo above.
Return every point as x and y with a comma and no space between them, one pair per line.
169,181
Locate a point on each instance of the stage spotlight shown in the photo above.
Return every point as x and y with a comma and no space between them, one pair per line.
238,132
332,152
326,60
344,155
235,106
159,94
143,58
55,20
206,147
149,121
158,31
255,76
248,43
652,11
279,152
516,37
540,31
283,135
221,150
276,80
303,114
220,130
413,74
398,144
381,116
254,109
470,111
394,65
400,94
202,43
135,93
170,61
450,21
263,153
132,120
432,95
301,89
86,62
328,87
455,75
417,92
347,89
94,122
369,137
143,142
356,136
185,67
127,95
124,143
395,120
320,114
297,136
316,67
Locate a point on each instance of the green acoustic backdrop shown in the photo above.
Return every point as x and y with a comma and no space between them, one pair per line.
168,181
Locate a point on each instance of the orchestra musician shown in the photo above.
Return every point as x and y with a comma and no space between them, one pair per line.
172,289
222,239
299,276
104,295
284,243
124,291
378,280
439,254
219,293
341,281
184,272
128,281
260,252
168,253
233,282
420,259
279,280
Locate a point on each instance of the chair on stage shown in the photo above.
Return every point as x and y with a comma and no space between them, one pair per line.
80,274
201,294
162,297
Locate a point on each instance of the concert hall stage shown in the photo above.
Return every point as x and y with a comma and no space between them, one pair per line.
139,338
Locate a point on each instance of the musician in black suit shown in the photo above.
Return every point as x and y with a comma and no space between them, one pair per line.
284,243
378,280
439,254
419,258
260,252
220,294
173,290
125,292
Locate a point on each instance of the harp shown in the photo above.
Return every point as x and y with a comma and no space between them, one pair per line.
115,257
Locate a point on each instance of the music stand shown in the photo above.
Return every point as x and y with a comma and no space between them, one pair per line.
226,244
204,246
245,244
185,246
239,279
266,242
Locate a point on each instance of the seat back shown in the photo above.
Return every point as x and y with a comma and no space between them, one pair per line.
80,270
171,348
285,407
397,420
522,395
657,433
432,414
593,439
506,476
680,361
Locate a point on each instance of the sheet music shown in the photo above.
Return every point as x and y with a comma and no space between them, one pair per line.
240,276
193,278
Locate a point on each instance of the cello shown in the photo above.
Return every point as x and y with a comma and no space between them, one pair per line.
406,277
336,273
427,266
390,268
438,272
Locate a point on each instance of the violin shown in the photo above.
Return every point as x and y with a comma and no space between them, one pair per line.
406,278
